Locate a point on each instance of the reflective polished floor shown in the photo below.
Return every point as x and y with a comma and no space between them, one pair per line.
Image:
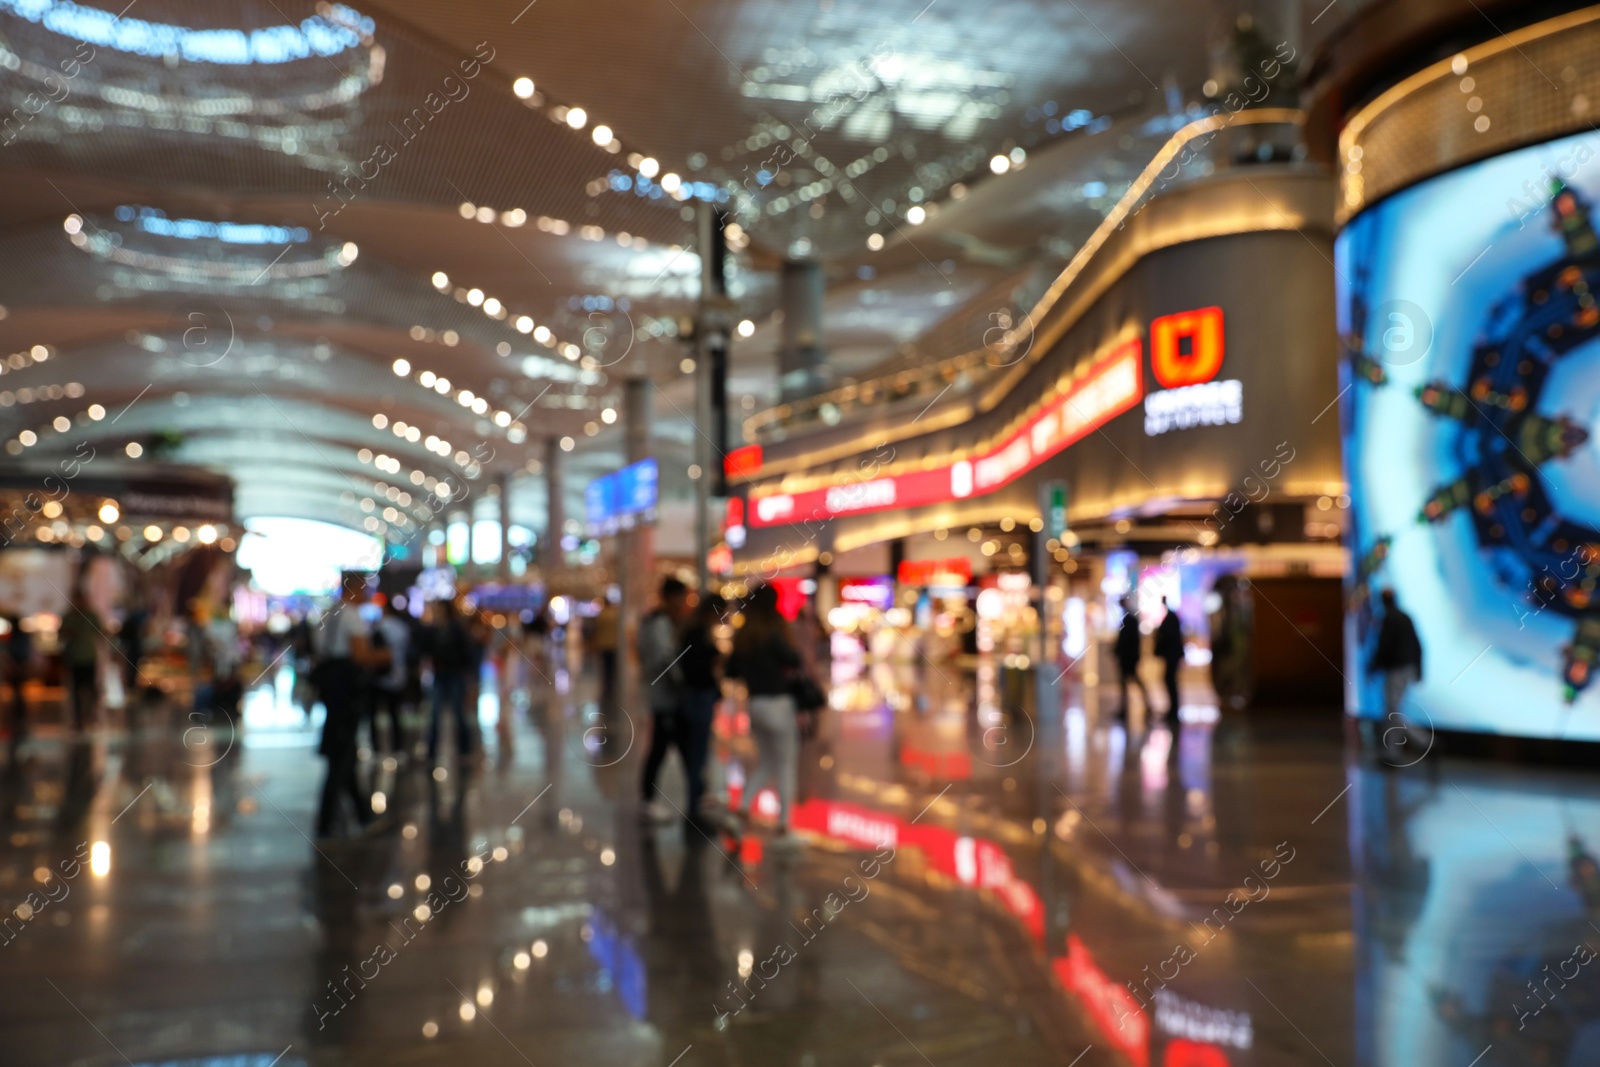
981,883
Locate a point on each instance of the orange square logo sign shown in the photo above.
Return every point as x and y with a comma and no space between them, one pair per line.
1186,348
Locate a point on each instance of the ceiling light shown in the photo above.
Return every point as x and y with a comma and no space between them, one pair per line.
442,386
347,254
567,443
402,367
464,398
601,135
475,297
916,215
608,416
134,448
523,87
96,412
207,534
72,224
670,182
491,306
109,512
746,329
441,280
649,167
468,209
542,335
502,419
875,241
427,378
152,533
577,117
524,324
39,353
485,214
1000,164
513,218
380,421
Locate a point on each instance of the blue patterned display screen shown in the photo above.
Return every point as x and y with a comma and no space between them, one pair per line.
1471,360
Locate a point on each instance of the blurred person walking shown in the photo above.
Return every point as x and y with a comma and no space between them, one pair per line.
1129,650
18,665
80,636
606,642
451,650
393,634
343,669
1398,656
661,651
701,668
1169,649
765,658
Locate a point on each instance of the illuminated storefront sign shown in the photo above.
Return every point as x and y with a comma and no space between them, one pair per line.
1111,387
1186,353
956,571
742,462
874,592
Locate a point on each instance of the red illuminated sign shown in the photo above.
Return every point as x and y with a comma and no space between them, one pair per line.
920,572
742,462
1186,349
1112,386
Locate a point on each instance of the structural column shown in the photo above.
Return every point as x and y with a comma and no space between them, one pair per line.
802,359
502,483
555,511
636,547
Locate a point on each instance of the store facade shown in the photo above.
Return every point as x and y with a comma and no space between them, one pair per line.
1179,388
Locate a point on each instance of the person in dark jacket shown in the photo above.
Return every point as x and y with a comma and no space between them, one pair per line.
1169,649
765,658
1398,655
456,657
699,670
1129,649
661,654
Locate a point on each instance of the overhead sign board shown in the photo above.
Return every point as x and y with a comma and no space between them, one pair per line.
619,500
1112,386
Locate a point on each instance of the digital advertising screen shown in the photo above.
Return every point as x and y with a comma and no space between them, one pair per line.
1471,375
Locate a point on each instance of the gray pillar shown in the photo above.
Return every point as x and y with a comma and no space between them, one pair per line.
636,563
555,510
502,482
802,359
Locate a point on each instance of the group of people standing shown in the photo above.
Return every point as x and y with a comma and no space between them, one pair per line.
1130,650
682,668
370,672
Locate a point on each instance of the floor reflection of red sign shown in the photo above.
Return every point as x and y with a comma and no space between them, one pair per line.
1114,1010
1193,1054
971,861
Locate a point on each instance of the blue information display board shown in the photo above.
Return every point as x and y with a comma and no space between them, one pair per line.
617,501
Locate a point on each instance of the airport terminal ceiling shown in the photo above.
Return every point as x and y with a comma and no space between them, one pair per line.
443,233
